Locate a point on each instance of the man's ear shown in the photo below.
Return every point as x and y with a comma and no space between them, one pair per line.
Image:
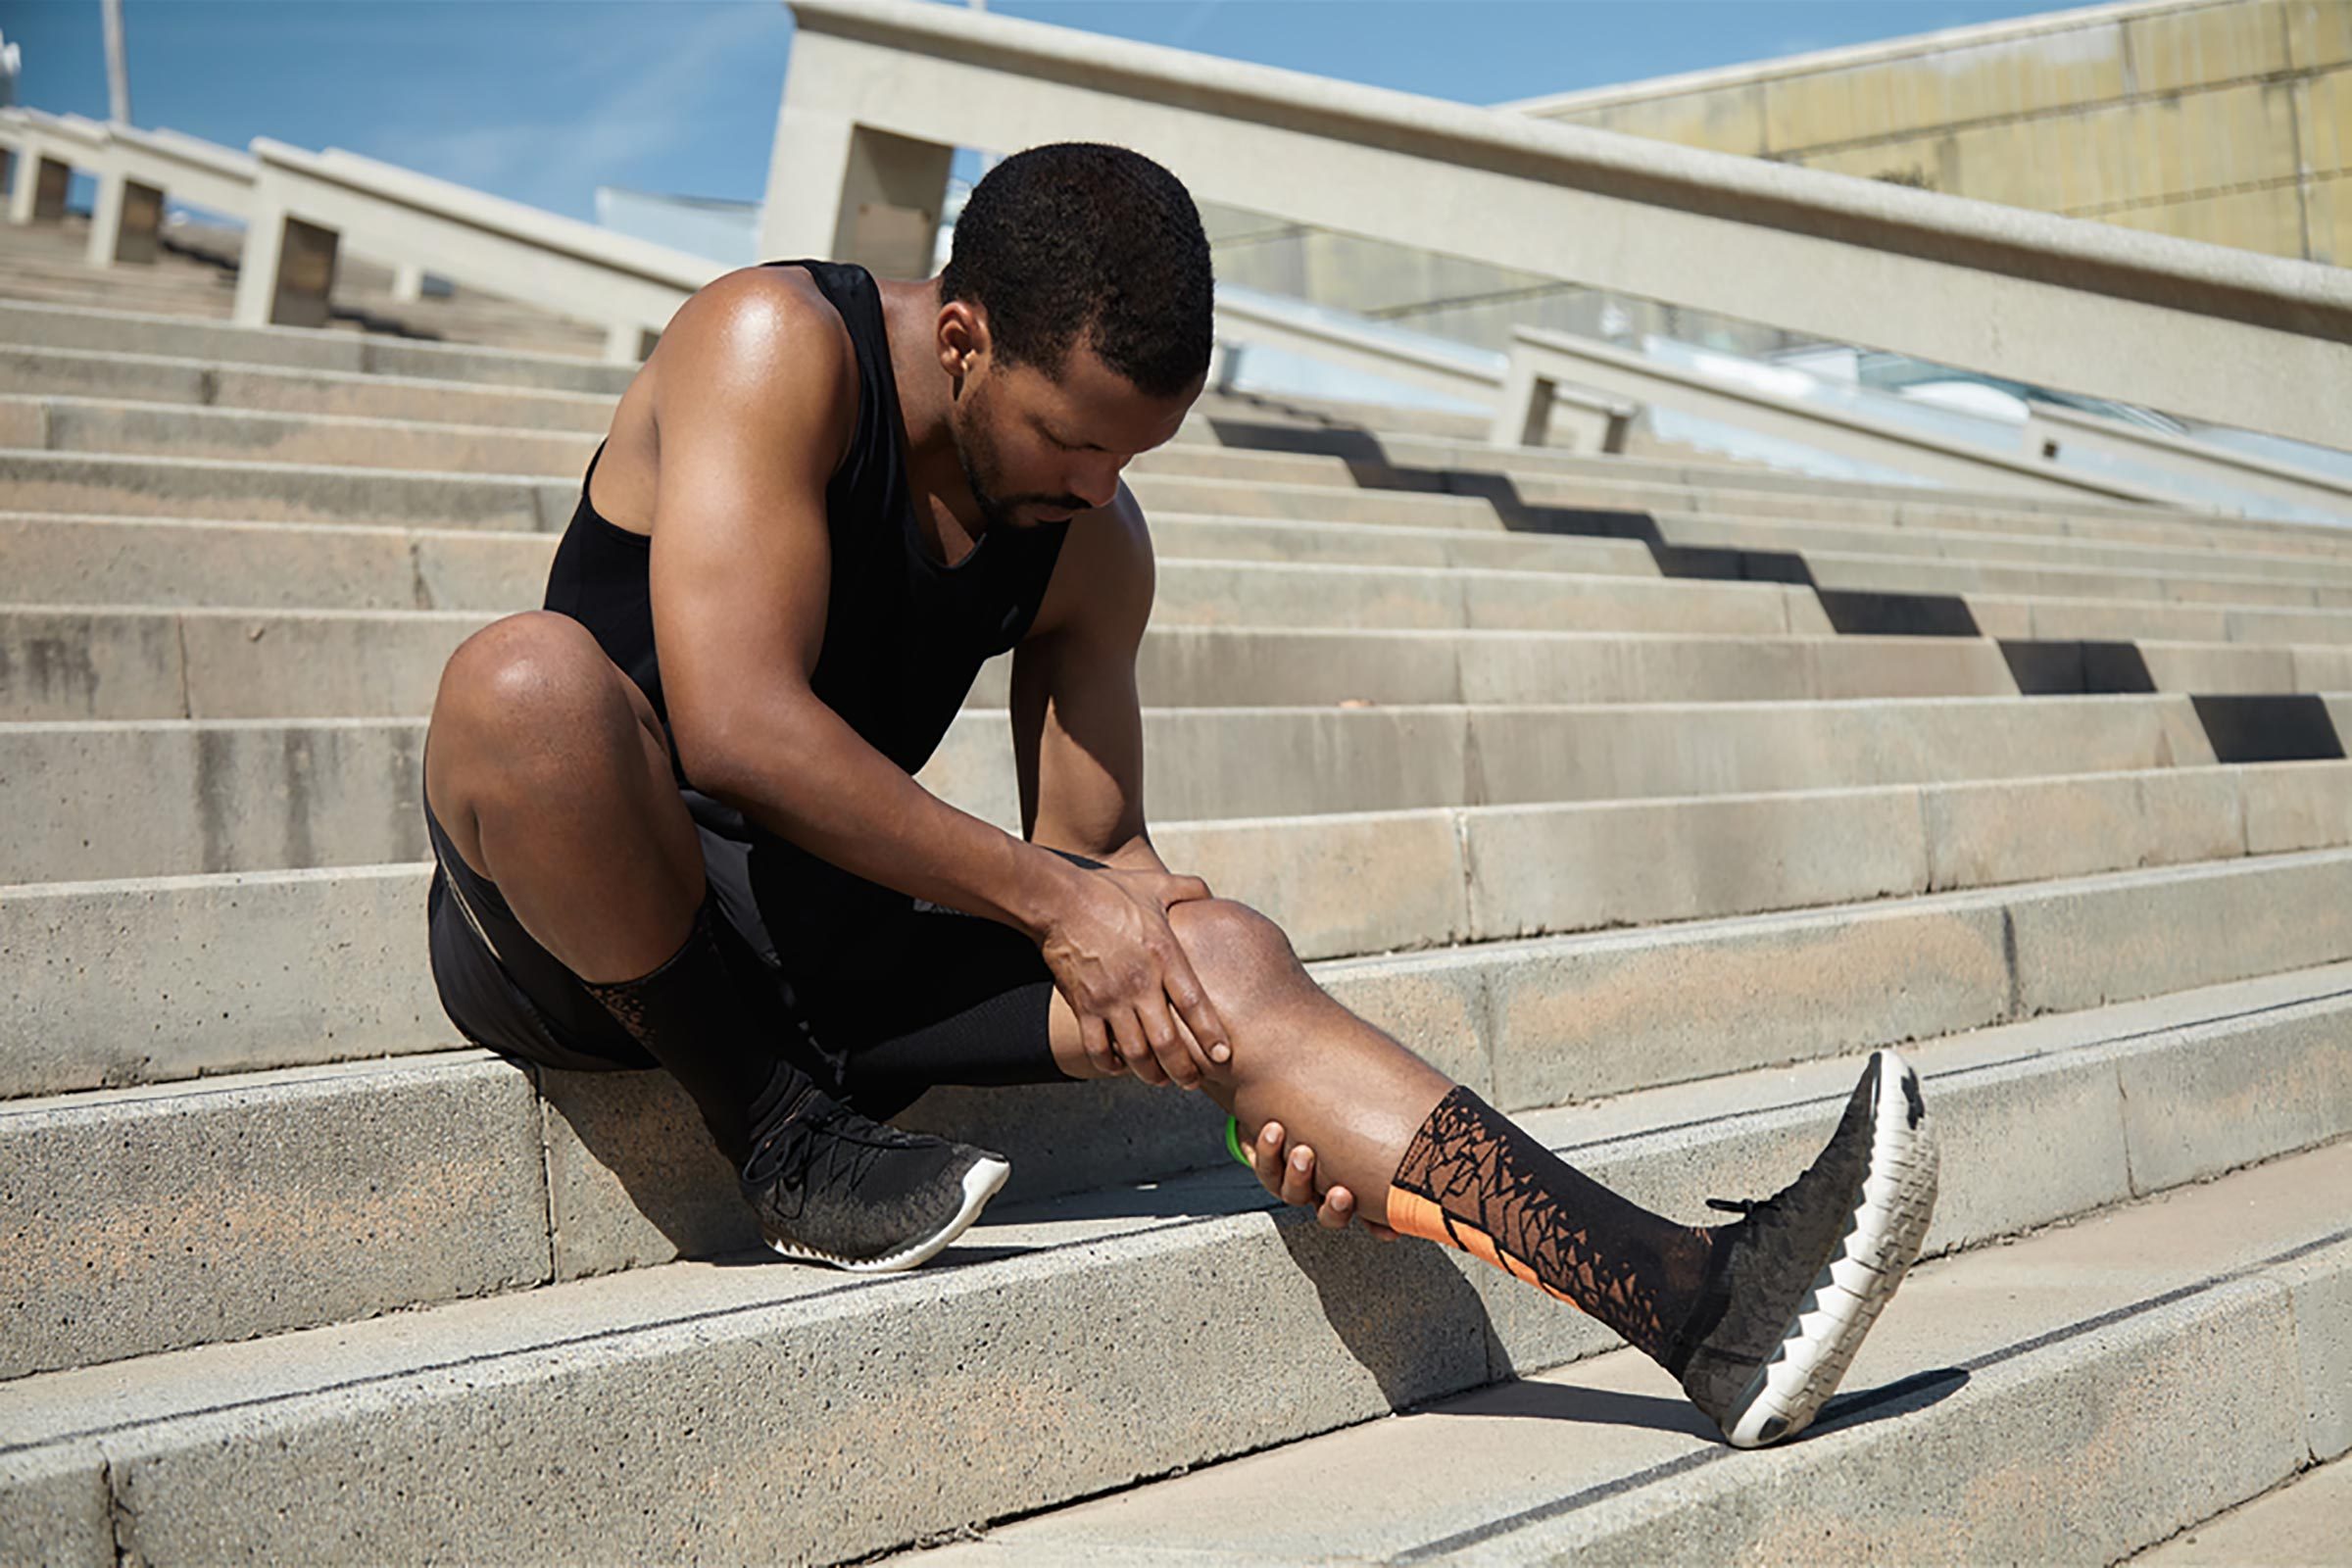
962,335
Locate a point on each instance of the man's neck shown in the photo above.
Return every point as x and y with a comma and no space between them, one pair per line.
944,504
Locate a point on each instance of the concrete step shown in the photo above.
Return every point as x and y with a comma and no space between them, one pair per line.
1611,492
1558,477
174,796
616,1170
1845,557
2117,620
256,491
1285,580
136,421
2215,587
2300,1522
206,293
113,428
192,488
55,326
68,559
159,978
267,390
1291,1332
2162,1360
2179,562
124,663
198,489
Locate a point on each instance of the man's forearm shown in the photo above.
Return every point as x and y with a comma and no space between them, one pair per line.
1136,854
824,786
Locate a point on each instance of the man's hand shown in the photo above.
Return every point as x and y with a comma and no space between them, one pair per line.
1120,967
1289,1175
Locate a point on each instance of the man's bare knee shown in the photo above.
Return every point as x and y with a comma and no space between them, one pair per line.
532,711
535,690
1242,958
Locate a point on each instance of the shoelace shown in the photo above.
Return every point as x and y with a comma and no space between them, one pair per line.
850,1153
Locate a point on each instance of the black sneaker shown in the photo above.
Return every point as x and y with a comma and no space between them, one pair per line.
833,1186
1796,1283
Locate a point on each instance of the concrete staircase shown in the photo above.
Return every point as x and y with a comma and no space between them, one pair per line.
1642,794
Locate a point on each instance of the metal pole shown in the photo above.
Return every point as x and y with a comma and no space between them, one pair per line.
117,73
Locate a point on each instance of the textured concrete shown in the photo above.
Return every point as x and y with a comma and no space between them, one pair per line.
2046,1120
1576,1017
2072,1396
1341,884
59,1510
1309,503
143,1220
80,327
2015,829
250,492
2106,938
72,557
2187,567
150,377
79,425
127,981
2299,1524
2295,805
2192,1113
123,982
122,801
1552,868
2322,1304
570,1361
126,663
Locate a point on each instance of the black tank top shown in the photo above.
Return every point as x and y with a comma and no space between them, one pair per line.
905,635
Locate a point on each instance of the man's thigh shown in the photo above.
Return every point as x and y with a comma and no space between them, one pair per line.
909,995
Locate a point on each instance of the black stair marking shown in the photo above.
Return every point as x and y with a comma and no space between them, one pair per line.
1864,613
2285,727
2066,667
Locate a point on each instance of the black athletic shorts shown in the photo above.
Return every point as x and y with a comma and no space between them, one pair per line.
904,995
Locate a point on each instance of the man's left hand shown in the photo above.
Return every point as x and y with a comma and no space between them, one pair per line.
1289,1173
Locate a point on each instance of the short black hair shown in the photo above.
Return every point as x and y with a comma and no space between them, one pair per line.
1079,239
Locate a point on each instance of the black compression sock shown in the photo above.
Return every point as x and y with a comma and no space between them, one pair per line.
1472,1179
715,1026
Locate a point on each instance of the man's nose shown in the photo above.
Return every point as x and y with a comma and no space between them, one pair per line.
1097,487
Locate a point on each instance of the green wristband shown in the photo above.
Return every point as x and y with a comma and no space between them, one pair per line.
1233,1141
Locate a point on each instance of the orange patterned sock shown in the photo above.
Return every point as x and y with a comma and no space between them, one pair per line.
1472,1180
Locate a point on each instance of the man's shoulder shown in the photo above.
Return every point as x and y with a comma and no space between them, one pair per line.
1105,571
762,344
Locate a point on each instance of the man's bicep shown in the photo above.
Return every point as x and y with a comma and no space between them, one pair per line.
1078,743
1077,717
740,554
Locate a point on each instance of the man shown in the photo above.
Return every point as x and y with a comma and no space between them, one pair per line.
676,825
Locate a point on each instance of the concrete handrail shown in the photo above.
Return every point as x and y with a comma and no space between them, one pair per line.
1540,360
45,149
2054,434
139,168
307,203
2196,329
1599,422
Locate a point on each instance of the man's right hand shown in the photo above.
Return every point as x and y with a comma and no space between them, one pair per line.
1121,969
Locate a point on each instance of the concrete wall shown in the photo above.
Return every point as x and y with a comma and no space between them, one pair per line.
2223,120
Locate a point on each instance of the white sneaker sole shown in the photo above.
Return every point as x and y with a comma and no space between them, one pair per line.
980,1184
1882,1238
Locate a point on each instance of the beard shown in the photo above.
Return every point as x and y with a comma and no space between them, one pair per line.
984,473
976,454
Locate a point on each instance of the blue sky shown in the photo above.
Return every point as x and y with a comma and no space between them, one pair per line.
544,101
